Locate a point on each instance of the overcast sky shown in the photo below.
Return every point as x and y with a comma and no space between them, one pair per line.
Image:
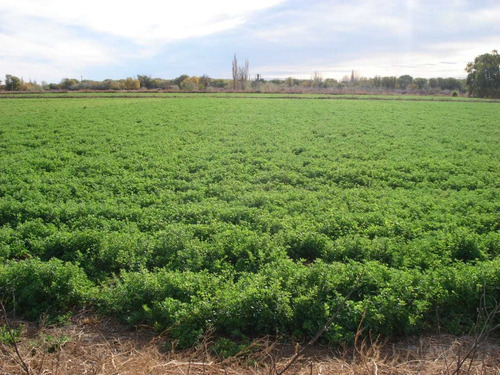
99,39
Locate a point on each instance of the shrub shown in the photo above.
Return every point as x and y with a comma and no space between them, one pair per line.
36,288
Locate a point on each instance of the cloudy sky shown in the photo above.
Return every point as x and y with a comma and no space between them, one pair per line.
99,39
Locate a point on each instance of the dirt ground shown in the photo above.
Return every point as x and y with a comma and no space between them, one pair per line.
91,345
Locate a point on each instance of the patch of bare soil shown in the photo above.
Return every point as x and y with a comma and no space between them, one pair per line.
92,345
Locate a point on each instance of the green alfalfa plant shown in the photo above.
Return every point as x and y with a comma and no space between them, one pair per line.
322,330
9,336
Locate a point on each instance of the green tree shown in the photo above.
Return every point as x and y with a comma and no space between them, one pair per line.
420,82
483,79
53,86
440,82
188,84
178,80
69,83
220,83
405,81
131,84
330,83
12,83
163,84
146,82
451,84
115,85
389,82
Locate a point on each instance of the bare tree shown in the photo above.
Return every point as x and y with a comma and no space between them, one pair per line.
355,77
205,81
243,75
240,74
317,79
235,72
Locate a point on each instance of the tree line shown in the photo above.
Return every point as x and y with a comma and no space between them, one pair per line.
240,83
483,80
141,82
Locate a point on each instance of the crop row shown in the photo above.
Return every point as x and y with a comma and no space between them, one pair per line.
251,216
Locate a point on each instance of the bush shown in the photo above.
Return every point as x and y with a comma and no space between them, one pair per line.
188,85
285,297
35,288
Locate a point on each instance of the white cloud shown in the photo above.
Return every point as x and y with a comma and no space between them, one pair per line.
486,16
64,50
68,36
60,38
298,26
47,50
434,60
147,21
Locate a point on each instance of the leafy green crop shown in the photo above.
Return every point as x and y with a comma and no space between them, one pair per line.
251,216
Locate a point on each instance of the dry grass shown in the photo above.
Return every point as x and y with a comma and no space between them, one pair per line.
93,346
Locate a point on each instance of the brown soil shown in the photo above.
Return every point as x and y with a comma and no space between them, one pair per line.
91,345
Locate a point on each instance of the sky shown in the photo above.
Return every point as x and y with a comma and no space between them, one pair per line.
47,40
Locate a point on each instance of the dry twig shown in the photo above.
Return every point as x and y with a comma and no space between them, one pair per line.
13,339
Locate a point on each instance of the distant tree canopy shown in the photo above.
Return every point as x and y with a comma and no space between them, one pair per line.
131,84
389,82
220,83
177,81
190,84
12,83
404,81
145,82
420,83
68,83
204,82
483,79
241,81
